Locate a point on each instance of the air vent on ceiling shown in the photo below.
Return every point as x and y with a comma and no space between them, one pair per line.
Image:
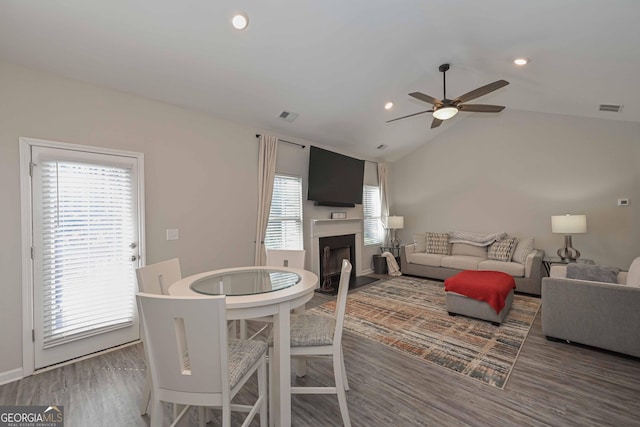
611,108
288,116
381,147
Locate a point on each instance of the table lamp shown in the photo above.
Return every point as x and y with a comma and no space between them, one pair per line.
395,223
568,225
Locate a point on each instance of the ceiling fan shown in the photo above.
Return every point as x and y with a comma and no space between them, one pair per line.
447,108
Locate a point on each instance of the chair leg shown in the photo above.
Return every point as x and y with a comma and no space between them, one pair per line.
262,392
157,417
202,421
344,371
146,393
243,329
339,374
272,409
226,414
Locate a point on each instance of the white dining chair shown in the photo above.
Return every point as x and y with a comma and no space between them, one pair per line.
156,279
293,258
321,336
193,362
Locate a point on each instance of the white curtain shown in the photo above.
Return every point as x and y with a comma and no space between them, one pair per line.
383,173
266,173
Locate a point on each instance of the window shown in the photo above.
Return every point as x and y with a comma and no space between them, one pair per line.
284,230
373,230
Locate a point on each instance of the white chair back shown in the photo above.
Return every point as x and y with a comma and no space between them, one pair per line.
293,258
157,278
186,344
341,301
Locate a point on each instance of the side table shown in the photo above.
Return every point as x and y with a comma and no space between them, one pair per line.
547,261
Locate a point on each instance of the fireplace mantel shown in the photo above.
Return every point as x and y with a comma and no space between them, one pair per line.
335,227
319,227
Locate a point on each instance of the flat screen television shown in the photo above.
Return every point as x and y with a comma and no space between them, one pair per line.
334,179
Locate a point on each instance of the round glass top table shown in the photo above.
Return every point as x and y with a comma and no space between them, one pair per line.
254,292
245,282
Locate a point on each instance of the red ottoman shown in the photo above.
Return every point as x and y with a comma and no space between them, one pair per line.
485,295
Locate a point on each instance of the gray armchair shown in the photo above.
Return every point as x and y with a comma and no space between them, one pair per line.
599,314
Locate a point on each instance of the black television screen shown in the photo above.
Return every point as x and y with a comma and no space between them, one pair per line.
334,179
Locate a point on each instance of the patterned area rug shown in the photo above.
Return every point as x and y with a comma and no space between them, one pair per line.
409,314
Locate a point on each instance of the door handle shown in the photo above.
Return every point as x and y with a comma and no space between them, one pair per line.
132,258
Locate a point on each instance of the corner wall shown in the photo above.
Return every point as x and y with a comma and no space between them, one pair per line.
514,171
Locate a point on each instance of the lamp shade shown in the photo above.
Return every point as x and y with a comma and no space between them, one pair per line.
569,224
395,222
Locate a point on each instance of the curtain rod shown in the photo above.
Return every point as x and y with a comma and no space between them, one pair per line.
288,142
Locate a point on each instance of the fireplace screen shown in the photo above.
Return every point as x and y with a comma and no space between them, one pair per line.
332,251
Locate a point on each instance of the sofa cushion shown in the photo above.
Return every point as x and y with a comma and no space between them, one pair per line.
633,275
461,262
467,249
438,243
420,242
422,258
513,268
523,248
502,250
596,273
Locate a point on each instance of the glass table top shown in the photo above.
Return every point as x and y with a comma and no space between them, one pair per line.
245,282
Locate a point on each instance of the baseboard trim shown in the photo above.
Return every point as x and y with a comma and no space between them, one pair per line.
11,376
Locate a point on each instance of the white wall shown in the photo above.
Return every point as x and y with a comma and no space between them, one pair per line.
200,176
512,172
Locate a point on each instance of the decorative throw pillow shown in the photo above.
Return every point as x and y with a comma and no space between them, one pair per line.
523,248
502,250
420,242
596,273
633,276
438,243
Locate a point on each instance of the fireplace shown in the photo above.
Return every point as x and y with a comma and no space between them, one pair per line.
332,250
322,228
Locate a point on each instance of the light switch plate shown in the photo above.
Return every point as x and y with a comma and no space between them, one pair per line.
173,234
623,202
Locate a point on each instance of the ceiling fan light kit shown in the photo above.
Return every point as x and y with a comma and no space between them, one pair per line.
445,109
444,113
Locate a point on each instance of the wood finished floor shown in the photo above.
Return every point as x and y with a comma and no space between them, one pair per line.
552,384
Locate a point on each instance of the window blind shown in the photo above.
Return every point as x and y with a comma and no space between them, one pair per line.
87,227
371,206
284,230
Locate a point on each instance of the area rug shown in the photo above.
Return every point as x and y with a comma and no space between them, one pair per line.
409,315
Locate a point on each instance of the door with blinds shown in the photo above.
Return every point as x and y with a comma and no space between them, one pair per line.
85,252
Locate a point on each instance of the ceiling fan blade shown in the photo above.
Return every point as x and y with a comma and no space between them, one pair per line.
481,108
410,115
480,91
426,98
435,123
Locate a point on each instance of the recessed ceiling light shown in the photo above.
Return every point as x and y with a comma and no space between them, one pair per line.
521,61
240,21
388,105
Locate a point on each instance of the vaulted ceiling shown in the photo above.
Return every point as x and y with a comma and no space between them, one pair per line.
336,62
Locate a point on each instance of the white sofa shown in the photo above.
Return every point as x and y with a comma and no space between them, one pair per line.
417,261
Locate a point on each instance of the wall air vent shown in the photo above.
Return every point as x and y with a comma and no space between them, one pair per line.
288,116
381,147
611,108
